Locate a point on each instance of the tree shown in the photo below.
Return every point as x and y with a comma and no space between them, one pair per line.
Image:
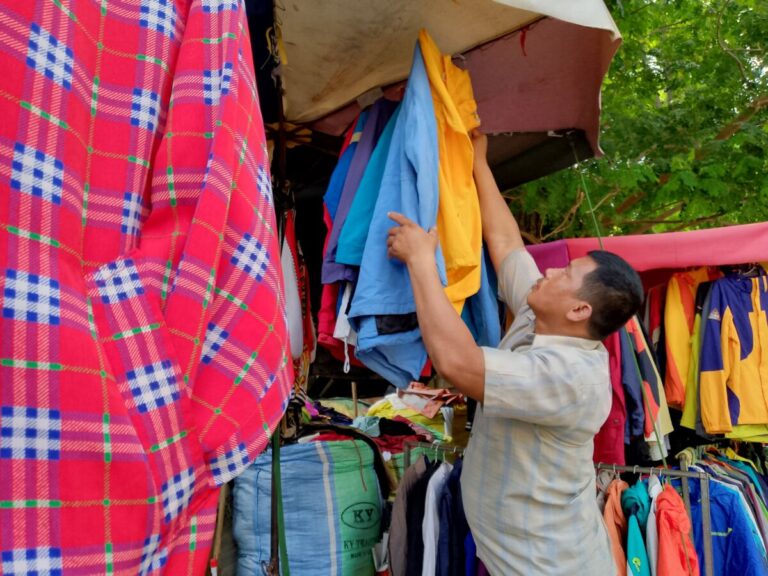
684,127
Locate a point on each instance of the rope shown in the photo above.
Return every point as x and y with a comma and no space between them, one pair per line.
586,193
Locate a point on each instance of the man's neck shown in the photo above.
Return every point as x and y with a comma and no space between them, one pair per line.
543,328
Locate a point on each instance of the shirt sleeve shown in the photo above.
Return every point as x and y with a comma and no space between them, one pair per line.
541,385
517,274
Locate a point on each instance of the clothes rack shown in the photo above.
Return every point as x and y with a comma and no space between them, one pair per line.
684,475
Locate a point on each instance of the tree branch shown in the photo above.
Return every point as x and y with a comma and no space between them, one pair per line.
724,47
569,216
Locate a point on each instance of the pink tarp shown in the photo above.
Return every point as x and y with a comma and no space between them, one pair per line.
712,247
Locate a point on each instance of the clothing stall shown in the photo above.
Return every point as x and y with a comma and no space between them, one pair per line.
687,381
399,103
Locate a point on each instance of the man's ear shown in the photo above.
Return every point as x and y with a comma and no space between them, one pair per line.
580,312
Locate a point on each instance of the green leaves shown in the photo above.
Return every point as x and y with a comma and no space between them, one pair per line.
685,126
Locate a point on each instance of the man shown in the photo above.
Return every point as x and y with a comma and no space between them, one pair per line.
528,483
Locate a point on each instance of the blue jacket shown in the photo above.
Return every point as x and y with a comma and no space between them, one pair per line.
339,176
734,547
409,186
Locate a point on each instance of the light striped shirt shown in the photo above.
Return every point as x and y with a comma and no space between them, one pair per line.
528,483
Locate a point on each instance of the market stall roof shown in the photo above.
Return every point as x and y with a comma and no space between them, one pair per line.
339,49
536,67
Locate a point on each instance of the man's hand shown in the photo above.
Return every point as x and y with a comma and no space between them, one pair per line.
409,242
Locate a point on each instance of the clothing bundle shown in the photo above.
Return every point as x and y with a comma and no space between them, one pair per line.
414,157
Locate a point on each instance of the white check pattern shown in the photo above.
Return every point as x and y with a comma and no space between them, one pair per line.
153,386
177,492
42,561
49,57
227,466
145,106
132,209
31,298
216,83
151,560
118,281
212,6
251,256
264,183
215,337
29,433
36,173
159,15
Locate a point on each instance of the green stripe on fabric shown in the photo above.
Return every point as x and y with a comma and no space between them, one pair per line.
193,534
139,161
134,331
43,114
86,193
171,185
64,9
242,151
5,504
109,558
107,438
103,7
247,367
34,236
31,364
95,95
168,441
152,60
209,288
218,40
166,279
231,298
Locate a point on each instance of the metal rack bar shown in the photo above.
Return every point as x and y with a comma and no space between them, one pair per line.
703,478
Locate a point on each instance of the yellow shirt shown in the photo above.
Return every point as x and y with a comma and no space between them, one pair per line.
458,217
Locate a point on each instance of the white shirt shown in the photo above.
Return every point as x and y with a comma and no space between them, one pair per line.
652,529
528,482
430,527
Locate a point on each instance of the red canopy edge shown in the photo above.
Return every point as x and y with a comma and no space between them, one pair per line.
712,247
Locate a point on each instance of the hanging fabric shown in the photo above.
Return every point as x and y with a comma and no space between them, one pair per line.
142,282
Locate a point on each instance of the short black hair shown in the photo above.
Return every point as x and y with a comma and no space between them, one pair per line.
614,291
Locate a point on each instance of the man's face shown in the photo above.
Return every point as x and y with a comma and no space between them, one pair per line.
557,292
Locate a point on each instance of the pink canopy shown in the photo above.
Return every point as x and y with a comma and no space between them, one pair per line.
712,247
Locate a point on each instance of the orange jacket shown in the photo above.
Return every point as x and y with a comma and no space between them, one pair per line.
616,523
677,555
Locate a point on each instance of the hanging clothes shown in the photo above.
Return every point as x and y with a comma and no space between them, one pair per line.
636,505
383,312
374,125
430,529
453,527
354,233
678,326
651,530
458,217
293,309
645,377
417,503
677,555
733,545
398,531
734,354
145,352
609,442
692,403
616,523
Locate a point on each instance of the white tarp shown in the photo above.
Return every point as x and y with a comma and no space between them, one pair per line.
339,49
